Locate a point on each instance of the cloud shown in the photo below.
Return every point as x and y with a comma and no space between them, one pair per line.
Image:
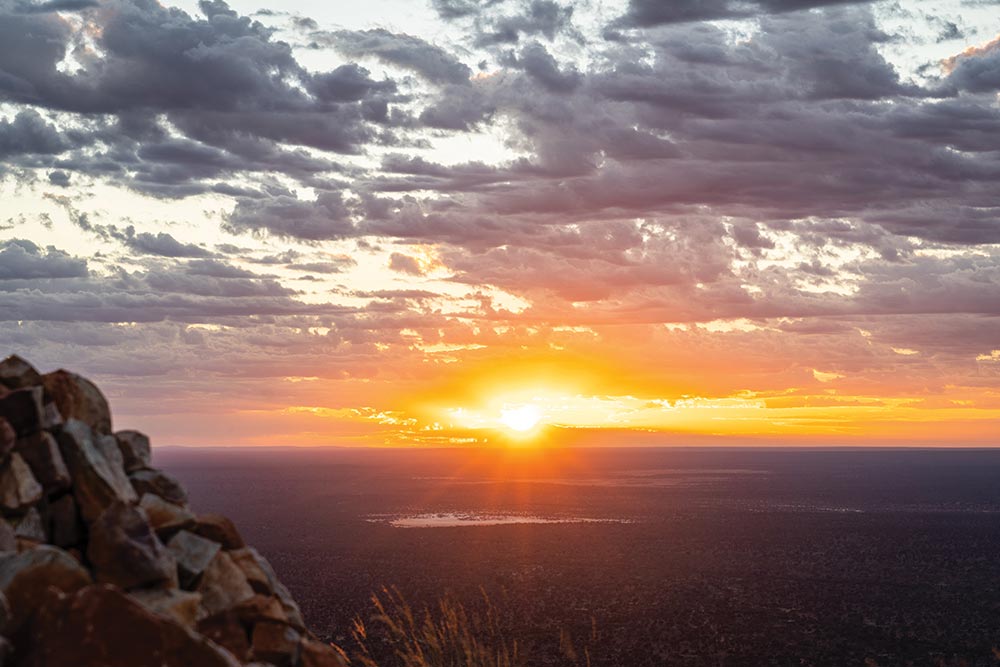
21,259
406,51
162,244
647,13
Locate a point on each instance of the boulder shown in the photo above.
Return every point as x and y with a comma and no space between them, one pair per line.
78,398
260,608
256,576
41,452
223,585
8,540
226,630
182,606
219,529
135,450
125,551
99,626
19,489
166,518
8,437
279,590
276,643
16,373
158,483
24,410
65,525
30,528
317,654
25,577
97,482
193,555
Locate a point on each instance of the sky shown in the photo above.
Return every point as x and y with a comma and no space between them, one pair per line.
471,222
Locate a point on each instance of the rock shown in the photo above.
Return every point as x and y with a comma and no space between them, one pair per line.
260,608
166,518
24,410
223,585
65,525
135,450
219,529
41,452
18,487
31,528
276,643
279,590
226,630
4,614
317,654
193,555
78,398
125,551
8,437
16,373
256,576
182,606
97,482
99,626
25,577
159,483
8,541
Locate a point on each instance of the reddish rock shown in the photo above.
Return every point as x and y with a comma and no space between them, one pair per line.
8,541
25,577
65,526
135,450
41,452
24,410
99,626
287,602
193,555
97,481
77,397
219,529
181,606
31,528
223,585
260,608
19,489
8,437
166,518
256,576
16,373
276,643
125,551
158,483
226,630
317,654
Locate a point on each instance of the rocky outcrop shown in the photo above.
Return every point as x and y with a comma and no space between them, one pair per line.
102,561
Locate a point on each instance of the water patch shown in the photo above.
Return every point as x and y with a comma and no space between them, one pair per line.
457,519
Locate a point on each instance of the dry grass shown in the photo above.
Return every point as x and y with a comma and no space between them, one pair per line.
448,635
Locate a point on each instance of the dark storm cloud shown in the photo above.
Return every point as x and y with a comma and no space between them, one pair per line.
406,51
29,133
646,13
237,95
21,259
57,6
162,244
537,17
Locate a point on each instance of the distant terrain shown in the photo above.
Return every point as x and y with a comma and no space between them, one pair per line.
694,557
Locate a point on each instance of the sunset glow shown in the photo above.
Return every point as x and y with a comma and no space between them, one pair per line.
407,225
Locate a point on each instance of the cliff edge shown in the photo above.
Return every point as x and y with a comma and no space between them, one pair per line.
102,561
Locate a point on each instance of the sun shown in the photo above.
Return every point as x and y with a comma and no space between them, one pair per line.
521,419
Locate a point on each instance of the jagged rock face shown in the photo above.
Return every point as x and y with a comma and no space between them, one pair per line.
78,398
80,505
